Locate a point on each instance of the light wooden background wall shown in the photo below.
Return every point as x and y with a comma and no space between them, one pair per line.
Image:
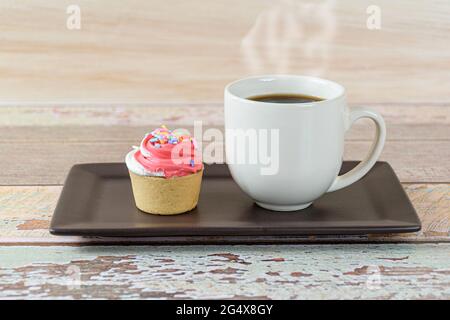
178,50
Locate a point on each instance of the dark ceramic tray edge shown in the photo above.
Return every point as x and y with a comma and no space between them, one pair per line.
133,233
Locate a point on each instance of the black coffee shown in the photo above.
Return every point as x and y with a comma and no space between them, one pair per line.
285,98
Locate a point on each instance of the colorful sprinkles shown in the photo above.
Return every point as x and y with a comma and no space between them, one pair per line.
162,135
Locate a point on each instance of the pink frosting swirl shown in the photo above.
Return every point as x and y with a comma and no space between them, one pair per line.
173,155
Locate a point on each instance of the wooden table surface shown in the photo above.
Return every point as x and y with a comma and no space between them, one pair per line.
60,104
40,144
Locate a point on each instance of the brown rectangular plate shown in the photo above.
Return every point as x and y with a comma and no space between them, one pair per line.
97,201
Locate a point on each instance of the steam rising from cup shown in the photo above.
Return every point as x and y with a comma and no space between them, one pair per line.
291,36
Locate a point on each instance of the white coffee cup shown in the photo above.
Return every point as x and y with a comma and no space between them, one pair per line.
310,143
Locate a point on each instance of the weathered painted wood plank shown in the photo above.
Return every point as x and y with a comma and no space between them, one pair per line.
74,133
115,114
358,271
43,163
26,212
183,113
95,134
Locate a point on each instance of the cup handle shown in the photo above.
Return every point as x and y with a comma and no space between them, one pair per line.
365,165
